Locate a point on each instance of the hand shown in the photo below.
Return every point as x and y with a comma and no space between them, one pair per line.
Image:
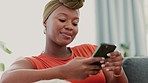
80,68
114,63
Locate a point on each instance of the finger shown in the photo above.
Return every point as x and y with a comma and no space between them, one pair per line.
92,60
94,67
108,68
117,63
114,54
115,59
113,66
118,70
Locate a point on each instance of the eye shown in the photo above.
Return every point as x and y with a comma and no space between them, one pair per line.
74,24
62,20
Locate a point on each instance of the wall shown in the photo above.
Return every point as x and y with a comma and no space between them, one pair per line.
22,30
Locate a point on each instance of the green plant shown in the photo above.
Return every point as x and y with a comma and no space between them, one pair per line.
125,48
5,49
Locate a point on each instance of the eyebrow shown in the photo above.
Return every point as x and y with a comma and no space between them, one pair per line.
67,15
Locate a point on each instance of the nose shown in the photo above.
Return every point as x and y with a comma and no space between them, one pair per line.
69,26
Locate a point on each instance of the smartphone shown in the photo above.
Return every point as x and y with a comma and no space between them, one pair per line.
103,50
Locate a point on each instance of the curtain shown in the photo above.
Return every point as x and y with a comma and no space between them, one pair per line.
121,22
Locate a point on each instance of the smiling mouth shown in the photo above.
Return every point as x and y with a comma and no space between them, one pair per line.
66,35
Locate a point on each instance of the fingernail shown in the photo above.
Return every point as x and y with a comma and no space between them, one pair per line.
107,69
101,61
103,58
102,65
108,54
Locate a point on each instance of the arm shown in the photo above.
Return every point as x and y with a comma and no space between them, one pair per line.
113,70
22,71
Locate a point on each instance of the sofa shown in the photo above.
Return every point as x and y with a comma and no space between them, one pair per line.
136,69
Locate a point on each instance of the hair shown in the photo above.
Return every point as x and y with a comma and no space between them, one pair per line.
54,4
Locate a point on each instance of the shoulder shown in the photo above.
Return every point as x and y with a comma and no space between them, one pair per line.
21,63
86,46
84,50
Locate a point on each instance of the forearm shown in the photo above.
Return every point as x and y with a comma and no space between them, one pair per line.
31,75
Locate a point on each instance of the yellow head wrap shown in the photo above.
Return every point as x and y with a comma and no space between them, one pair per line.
54,4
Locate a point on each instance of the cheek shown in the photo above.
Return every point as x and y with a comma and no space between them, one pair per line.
54,27
76,31
57,25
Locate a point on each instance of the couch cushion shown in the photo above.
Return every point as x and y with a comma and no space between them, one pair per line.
136,69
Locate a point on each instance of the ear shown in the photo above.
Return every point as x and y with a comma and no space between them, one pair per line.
45,28
44,31
44,24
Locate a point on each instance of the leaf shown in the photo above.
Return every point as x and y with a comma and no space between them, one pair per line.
2,67
2,45
124,46
7,51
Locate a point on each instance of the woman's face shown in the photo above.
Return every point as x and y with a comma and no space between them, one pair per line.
62,25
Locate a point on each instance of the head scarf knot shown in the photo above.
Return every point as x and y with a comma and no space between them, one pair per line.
54,4
74,4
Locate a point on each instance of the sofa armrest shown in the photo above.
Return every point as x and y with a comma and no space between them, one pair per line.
136,69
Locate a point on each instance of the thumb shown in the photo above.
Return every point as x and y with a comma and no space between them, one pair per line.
92,60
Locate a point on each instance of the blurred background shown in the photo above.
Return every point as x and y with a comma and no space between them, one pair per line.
120,22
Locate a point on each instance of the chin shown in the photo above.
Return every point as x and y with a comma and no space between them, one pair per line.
64,44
